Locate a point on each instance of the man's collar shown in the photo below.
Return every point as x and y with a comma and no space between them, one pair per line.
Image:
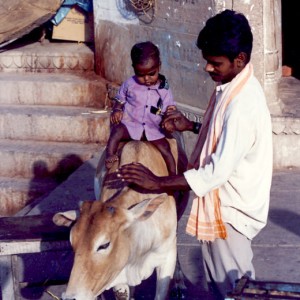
221,87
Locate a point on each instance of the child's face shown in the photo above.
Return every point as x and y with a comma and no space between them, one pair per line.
147,73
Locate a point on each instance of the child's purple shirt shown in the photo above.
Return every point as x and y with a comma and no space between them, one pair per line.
138,100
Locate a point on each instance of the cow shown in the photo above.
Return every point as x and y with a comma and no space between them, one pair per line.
122,238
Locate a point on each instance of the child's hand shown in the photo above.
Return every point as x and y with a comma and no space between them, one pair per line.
170,109
116,116
174,120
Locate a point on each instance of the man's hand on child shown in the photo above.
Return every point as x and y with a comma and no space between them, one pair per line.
174,120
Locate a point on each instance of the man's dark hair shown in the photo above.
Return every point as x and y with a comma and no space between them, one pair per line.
226,34
142,52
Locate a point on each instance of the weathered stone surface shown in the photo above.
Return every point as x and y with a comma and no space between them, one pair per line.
40,159
19,17
174,28
53,123
17,192
47,57
52,118
52,89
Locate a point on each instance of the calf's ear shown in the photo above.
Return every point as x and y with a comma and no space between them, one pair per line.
147,207
65,218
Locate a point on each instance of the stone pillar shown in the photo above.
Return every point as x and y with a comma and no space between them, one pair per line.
265,21
272,53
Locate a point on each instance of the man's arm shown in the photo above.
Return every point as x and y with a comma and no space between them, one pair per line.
137,174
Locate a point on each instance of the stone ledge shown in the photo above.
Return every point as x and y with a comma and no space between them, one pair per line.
52,57
286,139
283,125
192,113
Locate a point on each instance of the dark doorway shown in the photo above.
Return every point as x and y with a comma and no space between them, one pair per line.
290,37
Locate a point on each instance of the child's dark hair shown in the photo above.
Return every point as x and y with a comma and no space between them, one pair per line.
226,34
142,52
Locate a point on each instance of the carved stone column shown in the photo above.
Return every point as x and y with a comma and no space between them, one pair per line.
272,54
265,20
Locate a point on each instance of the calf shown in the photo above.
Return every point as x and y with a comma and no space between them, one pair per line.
126,235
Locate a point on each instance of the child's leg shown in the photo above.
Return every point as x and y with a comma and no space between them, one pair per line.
164,147
118,133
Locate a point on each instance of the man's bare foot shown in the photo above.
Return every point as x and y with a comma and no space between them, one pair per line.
111,160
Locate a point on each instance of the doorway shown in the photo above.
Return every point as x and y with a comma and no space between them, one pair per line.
290,38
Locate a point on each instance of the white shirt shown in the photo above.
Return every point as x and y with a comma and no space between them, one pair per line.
242,165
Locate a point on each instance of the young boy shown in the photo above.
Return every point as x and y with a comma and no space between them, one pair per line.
139,104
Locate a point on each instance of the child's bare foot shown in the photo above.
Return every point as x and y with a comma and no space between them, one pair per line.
110,161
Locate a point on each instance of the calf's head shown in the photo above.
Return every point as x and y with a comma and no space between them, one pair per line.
101,239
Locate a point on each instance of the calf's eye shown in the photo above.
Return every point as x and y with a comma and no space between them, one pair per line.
103,247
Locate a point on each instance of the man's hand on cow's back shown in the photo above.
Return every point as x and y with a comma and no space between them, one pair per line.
138,174
174,120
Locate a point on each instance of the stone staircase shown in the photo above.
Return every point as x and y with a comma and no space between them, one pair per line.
52,118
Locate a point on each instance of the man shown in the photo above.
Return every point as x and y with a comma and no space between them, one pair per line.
230,170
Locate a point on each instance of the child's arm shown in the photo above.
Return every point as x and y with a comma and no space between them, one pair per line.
117,113
119,103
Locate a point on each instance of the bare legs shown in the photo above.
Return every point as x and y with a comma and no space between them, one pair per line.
164,148
120,133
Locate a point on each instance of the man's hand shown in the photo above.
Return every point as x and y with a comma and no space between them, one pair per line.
140,177
174,120
138,174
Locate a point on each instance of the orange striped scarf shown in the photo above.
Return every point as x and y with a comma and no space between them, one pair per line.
205,220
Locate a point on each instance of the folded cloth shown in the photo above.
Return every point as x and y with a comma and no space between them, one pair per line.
66,6
205,220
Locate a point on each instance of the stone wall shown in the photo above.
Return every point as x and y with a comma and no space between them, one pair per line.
174,26
174,29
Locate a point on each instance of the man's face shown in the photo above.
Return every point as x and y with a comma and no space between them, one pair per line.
220,68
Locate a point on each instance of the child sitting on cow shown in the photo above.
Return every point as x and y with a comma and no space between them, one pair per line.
140,102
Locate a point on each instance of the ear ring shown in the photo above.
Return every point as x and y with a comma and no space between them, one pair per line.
240,63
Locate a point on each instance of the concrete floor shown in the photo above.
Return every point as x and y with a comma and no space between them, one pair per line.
276,248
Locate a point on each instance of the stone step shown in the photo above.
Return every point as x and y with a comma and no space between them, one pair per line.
52,89
286,127
54,123
47,57
69,195
286,141
38,159
16,193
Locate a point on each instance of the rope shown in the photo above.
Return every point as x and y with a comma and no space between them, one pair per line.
143,5
52,295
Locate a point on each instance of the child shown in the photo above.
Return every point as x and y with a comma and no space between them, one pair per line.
139,103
